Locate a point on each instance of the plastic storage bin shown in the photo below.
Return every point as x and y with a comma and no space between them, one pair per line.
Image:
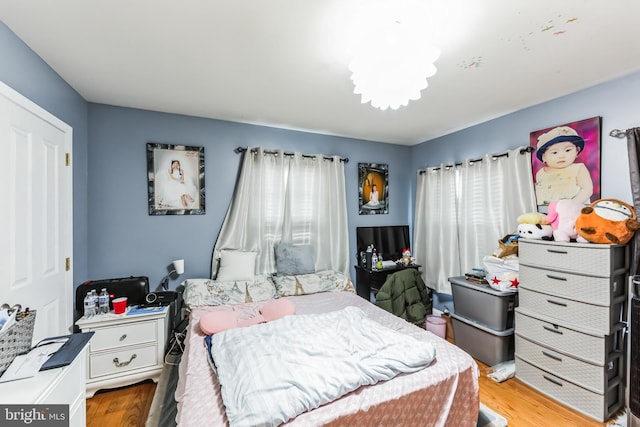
483,304
485,344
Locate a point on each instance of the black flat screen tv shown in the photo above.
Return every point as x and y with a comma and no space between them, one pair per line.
388,240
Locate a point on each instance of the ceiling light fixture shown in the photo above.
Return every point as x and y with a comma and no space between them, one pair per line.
391,66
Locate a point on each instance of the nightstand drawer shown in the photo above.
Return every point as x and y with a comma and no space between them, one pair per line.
599,319
593,377
116,362
580,258
593,290
123,335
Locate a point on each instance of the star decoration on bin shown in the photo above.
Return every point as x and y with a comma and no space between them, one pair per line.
514,282
495,280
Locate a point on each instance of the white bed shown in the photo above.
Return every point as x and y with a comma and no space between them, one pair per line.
443,394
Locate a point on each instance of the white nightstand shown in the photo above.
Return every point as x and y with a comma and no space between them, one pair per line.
125,349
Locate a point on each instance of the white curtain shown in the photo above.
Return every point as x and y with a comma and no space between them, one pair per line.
298,199
462,211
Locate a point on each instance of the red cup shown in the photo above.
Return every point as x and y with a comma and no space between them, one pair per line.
119,305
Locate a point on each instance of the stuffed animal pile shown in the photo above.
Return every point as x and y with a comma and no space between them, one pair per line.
608,221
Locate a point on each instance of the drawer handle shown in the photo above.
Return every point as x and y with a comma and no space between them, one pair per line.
557,251
123,337
555,331
561,304
552,356
120,364
552,380
564,279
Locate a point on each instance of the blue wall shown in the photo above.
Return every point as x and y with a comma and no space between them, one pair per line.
124,239
114,236
614,101
27,73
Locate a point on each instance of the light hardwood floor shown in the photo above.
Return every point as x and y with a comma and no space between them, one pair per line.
121,407
518,403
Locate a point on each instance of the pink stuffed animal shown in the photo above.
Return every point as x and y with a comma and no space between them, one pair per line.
562,216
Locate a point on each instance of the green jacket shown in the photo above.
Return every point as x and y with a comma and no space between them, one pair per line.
405,295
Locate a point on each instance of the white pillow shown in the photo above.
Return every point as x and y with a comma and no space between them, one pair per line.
236,265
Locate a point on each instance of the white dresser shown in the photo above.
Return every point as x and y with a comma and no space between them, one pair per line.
125,349
54,386
569,340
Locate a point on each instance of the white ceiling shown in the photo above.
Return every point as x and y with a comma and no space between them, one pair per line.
284,63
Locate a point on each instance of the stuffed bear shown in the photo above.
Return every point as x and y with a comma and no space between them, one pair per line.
607,221
535,231
534,225
562,217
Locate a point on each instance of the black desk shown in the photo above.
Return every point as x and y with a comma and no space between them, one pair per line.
371,280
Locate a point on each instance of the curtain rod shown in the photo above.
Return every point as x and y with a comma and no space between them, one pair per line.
310,156
493,156
617,133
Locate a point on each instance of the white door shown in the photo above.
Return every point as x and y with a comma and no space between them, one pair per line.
36,213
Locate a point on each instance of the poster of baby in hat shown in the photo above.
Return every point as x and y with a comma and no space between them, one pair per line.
566,162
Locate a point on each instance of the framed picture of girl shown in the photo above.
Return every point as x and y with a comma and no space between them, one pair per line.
175,177
373,188
566,162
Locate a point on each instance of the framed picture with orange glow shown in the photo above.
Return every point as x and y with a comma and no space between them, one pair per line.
566,162
373,188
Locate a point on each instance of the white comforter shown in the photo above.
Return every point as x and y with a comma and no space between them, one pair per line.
271,372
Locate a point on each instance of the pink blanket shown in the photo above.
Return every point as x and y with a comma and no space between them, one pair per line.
446,393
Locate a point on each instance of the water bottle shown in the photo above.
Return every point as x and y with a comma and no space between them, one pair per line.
96,302
89,306
103,301
374,260
367,255
380,262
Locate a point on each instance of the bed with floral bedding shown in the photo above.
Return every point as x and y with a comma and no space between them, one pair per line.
339,360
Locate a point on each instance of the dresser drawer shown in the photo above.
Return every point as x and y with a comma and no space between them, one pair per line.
123,335
595,378
123,360
597,318
66,389
595,405
580,258
593,290
590,348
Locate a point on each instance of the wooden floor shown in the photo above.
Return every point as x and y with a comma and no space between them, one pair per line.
518,403
522,406
122,407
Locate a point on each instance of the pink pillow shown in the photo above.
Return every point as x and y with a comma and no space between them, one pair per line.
218,321
277,308
251,321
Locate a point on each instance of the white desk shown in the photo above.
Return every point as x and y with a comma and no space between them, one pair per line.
64,385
